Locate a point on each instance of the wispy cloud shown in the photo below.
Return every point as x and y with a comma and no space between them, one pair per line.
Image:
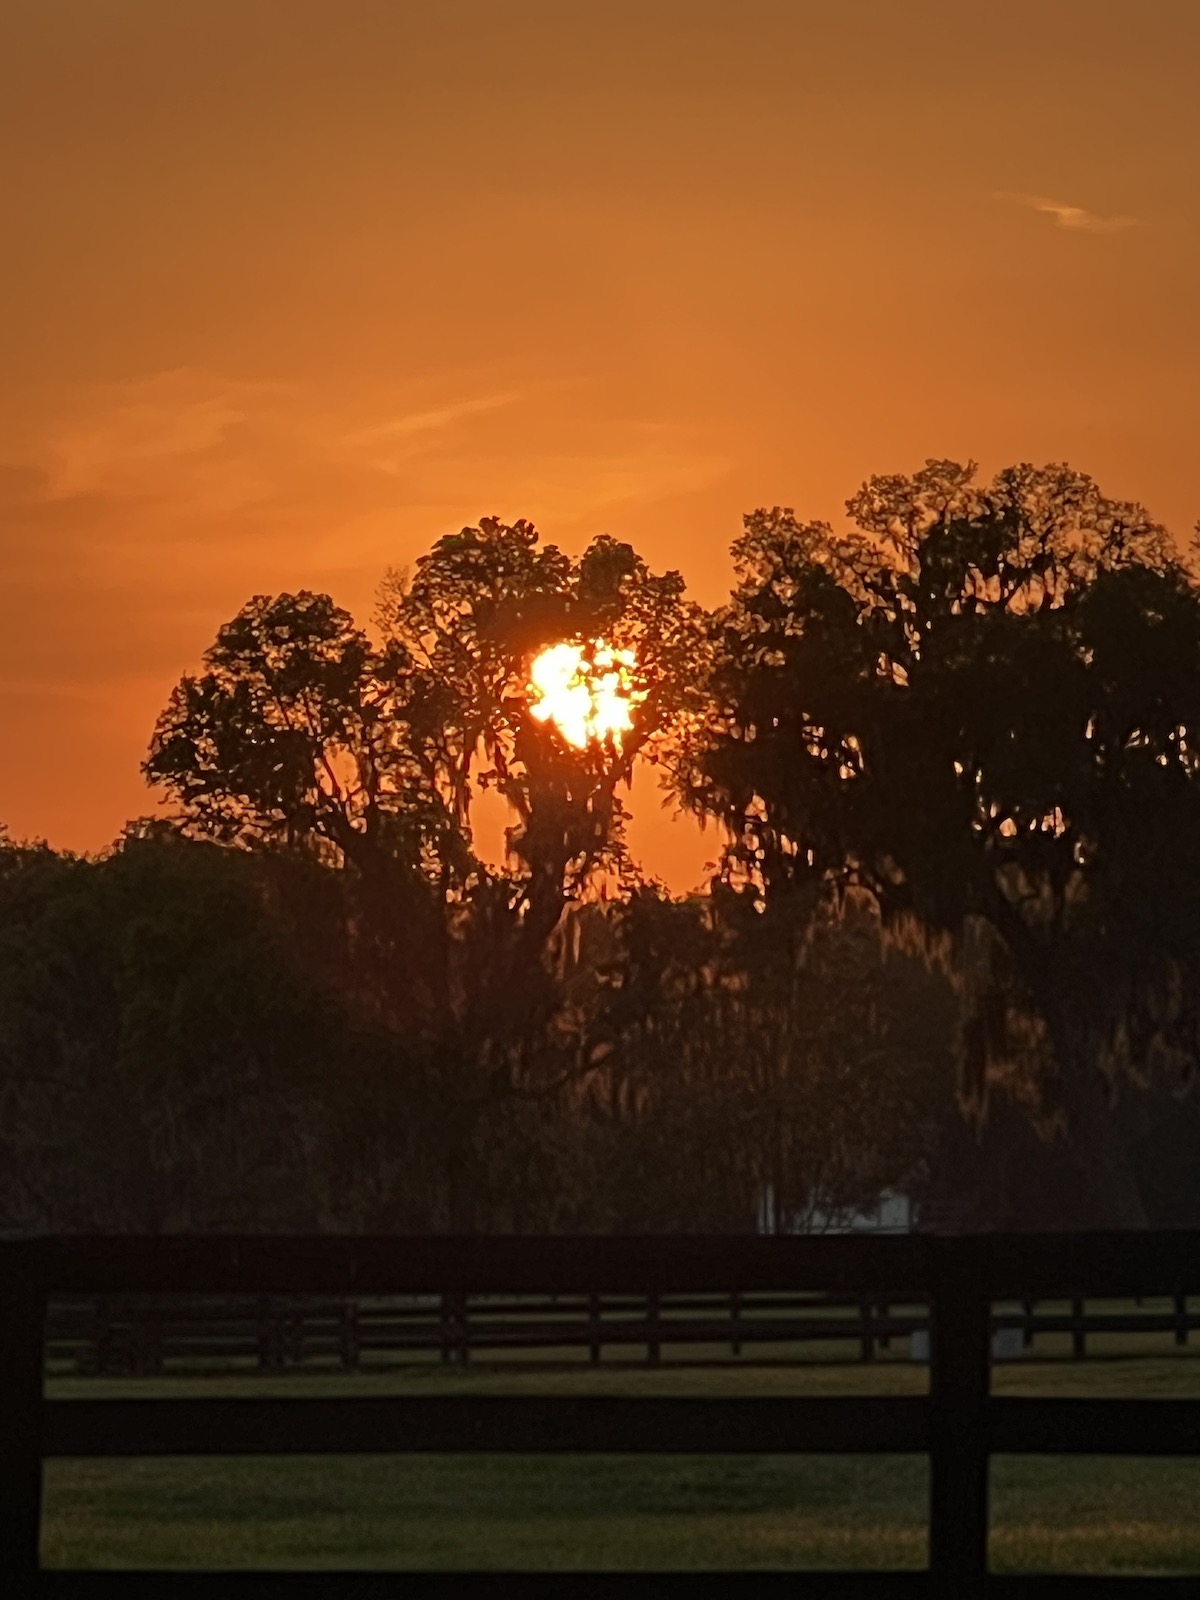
1077,218
434,420
138,515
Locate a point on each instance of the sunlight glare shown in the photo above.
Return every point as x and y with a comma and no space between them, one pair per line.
588,696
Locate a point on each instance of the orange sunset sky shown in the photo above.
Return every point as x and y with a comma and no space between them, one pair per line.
289,288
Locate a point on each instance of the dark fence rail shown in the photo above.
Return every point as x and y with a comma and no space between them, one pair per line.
140,1335
959,1425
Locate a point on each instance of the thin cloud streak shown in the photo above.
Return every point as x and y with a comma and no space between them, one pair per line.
435,420
141,513
1077,218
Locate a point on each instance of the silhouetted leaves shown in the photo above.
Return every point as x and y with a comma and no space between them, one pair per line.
980,703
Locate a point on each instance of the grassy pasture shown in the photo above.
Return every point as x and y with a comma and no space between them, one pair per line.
1052,1514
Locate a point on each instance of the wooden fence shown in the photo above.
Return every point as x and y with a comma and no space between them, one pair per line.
140,1335
959,1425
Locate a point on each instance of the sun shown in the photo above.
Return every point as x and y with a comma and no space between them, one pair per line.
588,692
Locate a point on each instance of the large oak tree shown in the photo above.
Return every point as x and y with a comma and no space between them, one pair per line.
302,733
981,702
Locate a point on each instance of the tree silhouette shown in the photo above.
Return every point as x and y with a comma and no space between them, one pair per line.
981,704
778,1070
162,1057
479,606
302,735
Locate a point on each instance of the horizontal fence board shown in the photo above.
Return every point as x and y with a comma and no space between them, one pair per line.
71,1585
1103,1266
477,1585
1088,1586
1094,1427
524,1424
1035,1266
475,1264
1099,1322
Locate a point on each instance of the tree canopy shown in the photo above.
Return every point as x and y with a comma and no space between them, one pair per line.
301,734
981,704
160,1051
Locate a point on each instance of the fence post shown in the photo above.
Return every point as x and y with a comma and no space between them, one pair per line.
958,1397
270,1335
1181,1322
21,1313
867,1337
446,1328
106,1338
1078,1331
348,1336
462,1330
147,1343
735,1313
653,1333
294,1335
594,1329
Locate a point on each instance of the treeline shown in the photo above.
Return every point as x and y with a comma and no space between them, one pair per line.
953,943
179,1053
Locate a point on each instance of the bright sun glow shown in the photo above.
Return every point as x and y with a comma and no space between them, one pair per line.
588,694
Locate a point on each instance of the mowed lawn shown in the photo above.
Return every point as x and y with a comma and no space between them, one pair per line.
1049,1514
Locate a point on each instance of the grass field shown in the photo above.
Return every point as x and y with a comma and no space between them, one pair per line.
1049,1514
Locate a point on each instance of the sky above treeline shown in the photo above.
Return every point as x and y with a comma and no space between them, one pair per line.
290,288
